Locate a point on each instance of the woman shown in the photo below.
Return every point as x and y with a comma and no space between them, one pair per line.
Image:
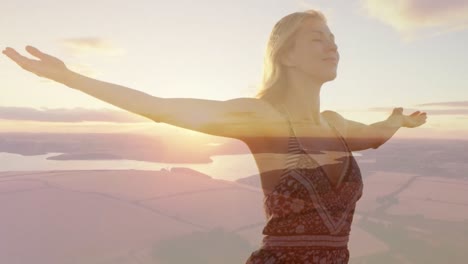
309,176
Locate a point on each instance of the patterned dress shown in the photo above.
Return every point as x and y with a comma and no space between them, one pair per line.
308,218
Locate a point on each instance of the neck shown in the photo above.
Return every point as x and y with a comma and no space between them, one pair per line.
303,98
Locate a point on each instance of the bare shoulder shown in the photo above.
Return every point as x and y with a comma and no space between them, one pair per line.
254,107
238,118
265,120
250,103
265,115
336,120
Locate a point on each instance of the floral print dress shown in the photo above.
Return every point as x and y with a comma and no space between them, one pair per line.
308,218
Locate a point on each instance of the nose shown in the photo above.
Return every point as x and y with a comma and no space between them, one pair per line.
332,45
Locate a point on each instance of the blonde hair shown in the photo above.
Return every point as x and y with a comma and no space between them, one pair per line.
272,87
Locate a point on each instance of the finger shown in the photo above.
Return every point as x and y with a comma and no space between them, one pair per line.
16,57
414,113
37,53
8,51
397,110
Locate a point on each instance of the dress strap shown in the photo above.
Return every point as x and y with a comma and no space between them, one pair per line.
291,129
340,136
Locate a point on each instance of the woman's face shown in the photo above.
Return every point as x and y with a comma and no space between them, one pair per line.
315,52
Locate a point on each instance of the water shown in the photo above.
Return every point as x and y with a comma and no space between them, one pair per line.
226,167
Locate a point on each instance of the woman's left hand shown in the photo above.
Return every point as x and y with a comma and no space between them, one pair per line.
413,120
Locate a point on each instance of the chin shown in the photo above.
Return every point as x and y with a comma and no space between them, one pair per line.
329,77
324,75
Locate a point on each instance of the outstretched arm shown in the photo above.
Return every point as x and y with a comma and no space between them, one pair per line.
236,118
360,136
52,68
126,98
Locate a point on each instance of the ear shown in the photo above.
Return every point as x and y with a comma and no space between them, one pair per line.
286,58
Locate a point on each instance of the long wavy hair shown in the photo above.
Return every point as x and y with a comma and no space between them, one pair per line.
274,81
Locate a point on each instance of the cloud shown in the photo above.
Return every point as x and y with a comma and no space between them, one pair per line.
407,16
461,108
69,115
448,104
92,45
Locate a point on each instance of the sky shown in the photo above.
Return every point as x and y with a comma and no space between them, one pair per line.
408,53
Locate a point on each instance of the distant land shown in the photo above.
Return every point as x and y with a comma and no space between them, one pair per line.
105,146
414,208
102,146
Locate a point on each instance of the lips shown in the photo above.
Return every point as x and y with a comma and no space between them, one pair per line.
335,59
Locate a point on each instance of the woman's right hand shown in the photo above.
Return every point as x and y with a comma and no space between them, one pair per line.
48,66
